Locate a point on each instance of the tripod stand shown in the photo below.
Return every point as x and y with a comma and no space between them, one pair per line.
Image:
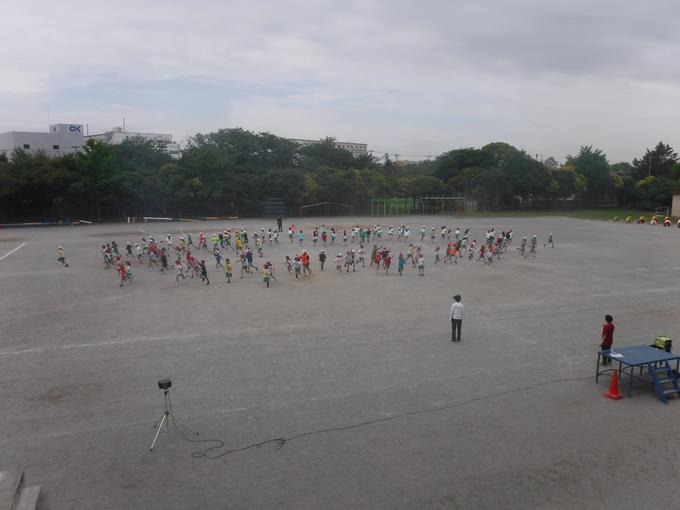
165,419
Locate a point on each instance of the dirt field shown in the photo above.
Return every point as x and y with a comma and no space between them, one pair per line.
356,371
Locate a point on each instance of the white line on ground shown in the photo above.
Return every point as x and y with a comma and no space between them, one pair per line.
99,344
12,251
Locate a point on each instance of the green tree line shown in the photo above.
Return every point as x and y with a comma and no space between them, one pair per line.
232,171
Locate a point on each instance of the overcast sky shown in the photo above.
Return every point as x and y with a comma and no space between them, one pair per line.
411,77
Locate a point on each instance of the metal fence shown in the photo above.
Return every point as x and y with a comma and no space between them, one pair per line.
400,206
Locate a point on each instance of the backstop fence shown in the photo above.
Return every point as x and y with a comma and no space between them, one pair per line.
448,204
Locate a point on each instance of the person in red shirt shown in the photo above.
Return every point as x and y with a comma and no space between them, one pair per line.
121,273
387,262
304,258
607,338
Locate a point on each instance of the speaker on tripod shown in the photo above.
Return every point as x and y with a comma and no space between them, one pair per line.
164,424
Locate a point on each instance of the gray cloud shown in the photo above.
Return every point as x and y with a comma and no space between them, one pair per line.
404,76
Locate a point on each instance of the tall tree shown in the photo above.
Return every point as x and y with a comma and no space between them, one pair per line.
658,162
325,153
491,187
100,174
466,181
286,184
495,153
526,176
421,185
657,191
140,161
625,193
569,183
451,163
592,164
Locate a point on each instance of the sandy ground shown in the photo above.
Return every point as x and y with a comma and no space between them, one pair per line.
356,371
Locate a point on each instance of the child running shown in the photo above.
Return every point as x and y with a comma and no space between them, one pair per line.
304,260
272,273
121,273
179,269
297,266
106,251
523,248
387,262
60,256
550,241
164,261
245,268
218,258
227,270
129,275
203,272
348,261
532,249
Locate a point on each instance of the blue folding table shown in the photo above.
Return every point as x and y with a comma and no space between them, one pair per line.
635,356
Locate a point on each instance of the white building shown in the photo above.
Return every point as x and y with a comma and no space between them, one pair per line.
60,140
117,136
357,149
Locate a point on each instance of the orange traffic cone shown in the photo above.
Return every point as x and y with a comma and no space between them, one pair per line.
613,391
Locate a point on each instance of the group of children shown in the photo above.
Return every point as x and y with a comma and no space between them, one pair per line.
182,253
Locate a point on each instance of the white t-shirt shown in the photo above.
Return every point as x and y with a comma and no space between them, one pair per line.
457,310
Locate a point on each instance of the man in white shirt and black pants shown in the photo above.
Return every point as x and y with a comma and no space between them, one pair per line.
456,318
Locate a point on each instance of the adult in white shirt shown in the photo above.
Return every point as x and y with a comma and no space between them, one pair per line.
456,318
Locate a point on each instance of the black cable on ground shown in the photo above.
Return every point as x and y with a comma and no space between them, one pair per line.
280,442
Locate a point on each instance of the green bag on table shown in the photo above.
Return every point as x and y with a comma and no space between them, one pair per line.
661,341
